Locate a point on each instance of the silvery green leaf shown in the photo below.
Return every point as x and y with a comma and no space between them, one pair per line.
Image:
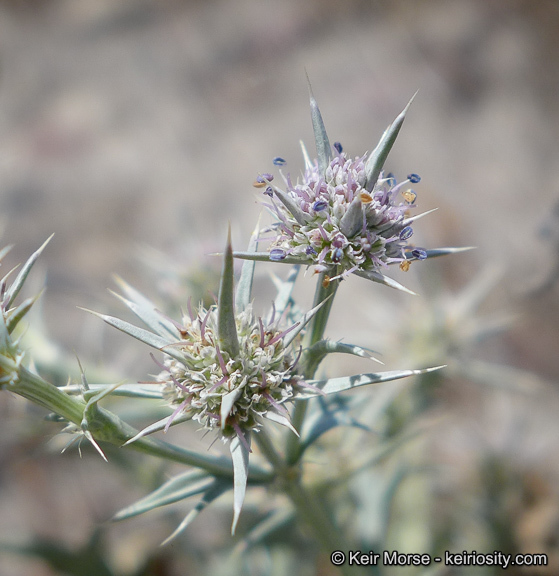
285,291
265,257
227,403
5,340
388,493
5,251
411,219
126,390
352,220
280,419
335,385
293,209
323,150
15,287
244,286
327,421
146,310
212,493
276,520
174,490
434,252
148,338
306,157
15,316
318,351
87,434
382,279
158,426
303,321
239,454
378,156
226,325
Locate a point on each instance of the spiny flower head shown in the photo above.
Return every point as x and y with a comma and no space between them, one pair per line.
231,393
339,222
346,215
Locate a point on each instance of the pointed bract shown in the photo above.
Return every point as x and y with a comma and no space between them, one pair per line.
335,385
226,326
15,287
239,455
212,493
176,489
244,286
378,156
323,149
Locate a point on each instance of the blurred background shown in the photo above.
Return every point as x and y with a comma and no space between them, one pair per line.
133,131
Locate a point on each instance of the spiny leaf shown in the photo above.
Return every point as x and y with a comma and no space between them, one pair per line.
148,338
14,289
318,352
265,257
304,320
411,219
226,325
17,315
378,156
335,385
174,490
274,521
323,150
324,347
382,279
280,419
213,492
227,403
434,252
306,157
291,206
244,286
158,426
126,390
146,310
239,454
285,290
327,421
5,251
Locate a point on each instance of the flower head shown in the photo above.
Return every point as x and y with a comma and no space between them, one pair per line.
229,393
346,215
340,223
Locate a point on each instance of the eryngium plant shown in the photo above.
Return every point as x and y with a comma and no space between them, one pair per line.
234,372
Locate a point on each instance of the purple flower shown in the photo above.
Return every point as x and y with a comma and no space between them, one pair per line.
337,224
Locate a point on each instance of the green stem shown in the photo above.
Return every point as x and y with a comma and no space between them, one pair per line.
313,513
309,509
108,427
268,449
324,290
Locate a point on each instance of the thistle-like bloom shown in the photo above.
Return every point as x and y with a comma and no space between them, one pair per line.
340,224
346,216
231,393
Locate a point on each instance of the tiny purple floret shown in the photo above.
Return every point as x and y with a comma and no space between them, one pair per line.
419,253
262,178
320,205
277,254
406,233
